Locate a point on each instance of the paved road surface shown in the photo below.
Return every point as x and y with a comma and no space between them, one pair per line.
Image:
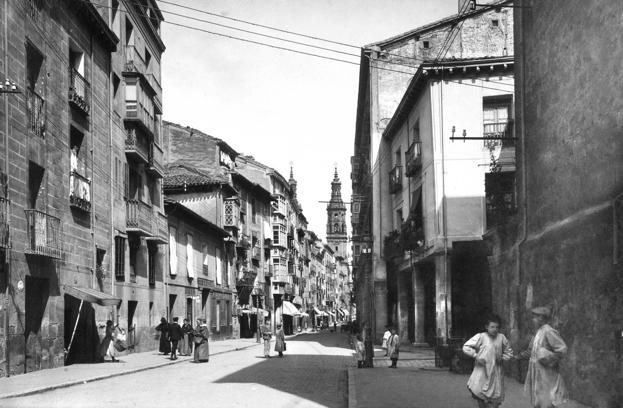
312,374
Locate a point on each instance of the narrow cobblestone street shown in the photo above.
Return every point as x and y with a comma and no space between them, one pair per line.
313,373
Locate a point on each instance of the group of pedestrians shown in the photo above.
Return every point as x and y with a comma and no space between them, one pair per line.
175,338
280,339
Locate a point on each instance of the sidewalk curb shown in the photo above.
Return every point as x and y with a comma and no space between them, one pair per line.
112,375
352,396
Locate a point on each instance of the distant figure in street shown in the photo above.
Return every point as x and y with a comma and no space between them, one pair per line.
187,340
280,341
107,347
360,351
490,349
200,338
266,336
175,335
334,326
386,337
163,328
393,348
544,384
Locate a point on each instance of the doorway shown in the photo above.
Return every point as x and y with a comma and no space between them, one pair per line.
172,299
131,338
189,309
37,294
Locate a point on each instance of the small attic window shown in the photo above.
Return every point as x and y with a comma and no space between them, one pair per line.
495,23
426,45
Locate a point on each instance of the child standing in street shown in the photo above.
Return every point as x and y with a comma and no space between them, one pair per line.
360,351
393,347
386,337
490,349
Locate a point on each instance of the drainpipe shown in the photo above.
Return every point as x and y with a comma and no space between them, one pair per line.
7,255
445,212
93,246
111,190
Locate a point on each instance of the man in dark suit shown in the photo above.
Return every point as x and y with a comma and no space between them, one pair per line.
175,335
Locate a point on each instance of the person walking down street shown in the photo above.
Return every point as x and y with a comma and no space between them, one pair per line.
187,340
544,385
266,336
386,337
393,348
175,334
165,345
490,349
200,338
360,351
107,347
280,341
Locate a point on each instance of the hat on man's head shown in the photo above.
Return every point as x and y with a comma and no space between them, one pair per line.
542,311
175,319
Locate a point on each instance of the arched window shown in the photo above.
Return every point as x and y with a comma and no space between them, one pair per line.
336,227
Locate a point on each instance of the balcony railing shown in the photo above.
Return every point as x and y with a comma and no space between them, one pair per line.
159,229
155,161
499,133
4,226
79,90
133,60
44,234
413,159
79,191
395,179
137,145
139,217
35,106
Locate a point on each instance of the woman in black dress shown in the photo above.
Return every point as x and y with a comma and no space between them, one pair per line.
163,328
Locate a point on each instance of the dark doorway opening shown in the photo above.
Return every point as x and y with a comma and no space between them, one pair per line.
189,309
131,338
172,299
37,294
430,306
84,346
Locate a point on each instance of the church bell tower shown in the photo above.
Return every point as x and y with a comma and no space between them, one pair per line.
337,237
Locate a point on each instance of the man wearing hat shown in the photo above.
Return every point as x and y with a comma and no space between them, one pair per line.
544,384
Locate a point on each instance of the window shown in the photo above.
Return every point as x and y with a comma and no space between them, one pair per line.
426,44
228,311
218,315
496,120
399,218
172,251
35,185
129,33
77,153
253,211
206,261
495,23
190,258
35,90
120,258
219,267
76,61
151,260
398,157
114,18
116,82
134,247
223,313
147,58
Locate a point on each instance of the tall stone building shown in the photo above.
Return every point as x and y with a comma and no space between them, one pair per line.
84,93
387,67
564,248
337,236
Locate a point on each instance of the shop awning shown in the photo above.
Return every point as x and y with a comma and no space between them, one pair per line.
289,309
345,311
303,314
254,311
92,296
297,300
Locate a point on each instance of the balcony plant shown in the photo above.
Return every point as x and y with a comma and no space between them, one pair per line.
391,245
412,233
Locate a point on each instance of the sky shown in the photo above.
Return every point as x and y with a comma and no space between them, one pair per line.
280,107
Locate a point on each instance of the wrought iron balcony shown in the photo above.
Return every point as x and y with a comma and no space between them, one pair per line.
395,179
133,60
44,234
35,106
155,160
79,90
498,134
139,217
79,191
137,146
413,159
501,197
